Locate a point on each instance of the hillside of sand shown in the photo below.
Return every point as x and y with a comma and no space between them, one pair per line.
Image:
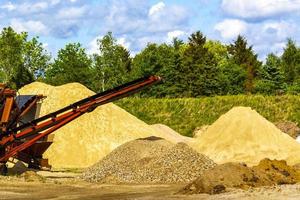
243,135
86,140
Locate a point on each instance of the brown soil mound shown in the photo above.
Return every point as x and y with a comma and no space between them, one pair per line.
242,135
149,160
279,171
289,128
234,175
86,140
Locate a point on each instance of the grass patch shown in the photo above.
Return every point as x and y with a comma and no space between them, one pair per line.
185,114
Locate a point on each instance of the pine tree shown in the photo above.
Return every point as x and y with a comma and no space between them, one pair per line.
291,62
200,70
244,56
271,75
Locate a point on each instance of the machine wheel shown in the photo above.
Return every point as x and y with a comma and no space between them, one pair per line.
3,169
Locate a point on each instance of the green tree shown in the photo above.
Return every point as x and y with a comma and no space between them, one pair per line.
36,58
112,64
11,48
176,74
13,69
200,68
231,78
21,59
218,50
158,60
291,62
271,76
71,65
243,55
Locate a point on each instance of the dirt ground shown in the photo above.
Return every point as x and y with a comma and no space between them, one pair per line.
66,186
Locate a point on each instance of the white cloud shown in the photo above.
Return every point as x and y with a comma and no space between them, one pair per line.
122,41
72,13
25,8
230,28
8,6
54,2
28,8
265,36
29,26
175,34
167,19
156,8
93,46
46,46
134,17
259,8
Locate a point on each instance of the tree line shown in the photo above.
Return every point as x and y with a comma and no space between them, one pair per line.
198,67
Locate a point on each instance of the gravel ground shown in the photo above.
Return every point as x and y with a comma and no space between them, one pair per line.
149,160
12,188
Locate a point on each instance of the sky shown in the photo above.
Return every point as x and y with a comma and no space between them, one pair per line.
265,23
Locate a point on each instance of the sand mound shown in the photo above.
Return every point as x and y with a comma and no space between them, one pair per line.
89,138
169,134
149,160
242,135
234,175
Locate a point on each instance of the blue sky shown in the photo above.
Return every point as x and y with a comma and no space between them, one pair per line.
266,23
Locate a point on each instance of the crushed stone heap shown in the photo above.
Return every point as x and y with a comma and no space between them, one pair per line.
149,160
89,138
243,135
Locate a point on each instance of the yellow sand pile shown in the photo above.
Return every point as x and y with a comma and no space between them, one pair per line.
242,135
89,138
170,134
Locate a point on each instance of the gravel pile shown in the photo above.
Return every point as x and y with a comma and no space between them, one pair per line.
179,164
149,160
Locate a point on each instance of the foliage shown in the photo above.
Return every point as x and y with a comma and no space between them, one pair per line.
291,62
112,64
196,68
199,67
36,58
159,60
21,60
243,55
271,76
72,65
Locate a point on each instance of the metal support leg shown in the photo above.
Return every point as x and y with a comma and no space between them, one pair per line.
3,169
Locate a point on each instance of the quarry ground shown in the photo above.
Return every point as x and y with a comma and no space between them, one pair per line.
66,186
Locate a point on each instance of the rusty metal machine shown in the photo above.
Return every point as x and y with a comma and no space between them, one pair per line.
25,136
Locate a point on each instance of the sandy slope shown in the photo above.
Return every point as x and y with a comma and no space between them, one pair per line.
242,135
89,138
